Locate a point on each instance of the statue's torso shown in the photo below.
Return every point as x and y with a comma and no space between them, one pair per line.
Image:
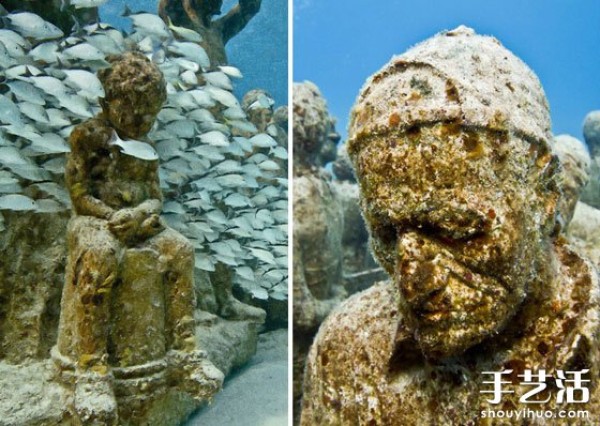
116,179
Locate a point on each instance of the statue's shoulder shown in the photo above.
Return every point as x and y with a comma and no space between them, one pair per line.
581,290
90,134
367,323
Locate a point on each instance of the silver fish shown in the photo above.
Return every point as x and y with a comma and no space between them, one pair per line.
105,44
218,79
57,118
79,4
76,104
22,72
14,43
26,131
17,202
133,148
34,111
51,85
234,114
231,71
9,112
6,61
185,33
87,82
84,51
149,24
31,25
49,143
223,97
189,78
45,52
192,51
262,140
26,92
214,138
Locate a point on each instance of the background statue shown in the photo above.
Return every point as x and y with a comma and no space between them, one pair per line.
198,15
451,146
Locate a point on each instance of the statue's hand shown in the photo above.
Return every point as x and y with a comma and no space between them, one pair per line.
124,224
151,226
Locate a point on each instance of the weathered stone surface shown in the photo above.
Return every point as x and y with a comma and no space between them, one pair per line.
584,231
35,398
228,344
451,147
32,261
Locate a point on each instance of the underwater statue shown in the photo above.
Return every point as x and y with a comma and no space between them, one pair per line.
574,174
198,15
591,134
487,308
126,337
318,226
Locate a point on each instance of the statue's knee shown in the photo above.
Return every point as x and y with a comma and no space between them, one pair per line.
178,247
105,255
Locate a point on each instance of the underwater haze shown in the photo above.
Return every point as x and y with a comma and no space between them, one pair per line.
260,51
338,44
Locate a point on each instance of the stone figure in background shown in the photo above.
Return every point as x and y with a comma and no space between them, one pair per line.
581,222
451,147
318,227
126,333
591,133
574,174
198,15
360,268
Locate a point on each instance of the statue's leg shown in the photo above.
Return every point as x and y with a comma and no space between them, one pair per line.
180,299
95,255
96,269
188,366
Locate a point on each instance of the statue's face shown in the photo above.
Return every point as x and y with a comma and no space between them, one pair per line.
130,122
455,220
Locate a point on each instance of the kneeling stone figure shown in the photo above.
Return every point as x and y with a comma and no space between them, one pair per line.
451,146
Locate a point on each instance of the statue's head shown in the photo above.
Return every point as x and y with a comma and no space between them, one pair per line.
315,138
450,144
135,91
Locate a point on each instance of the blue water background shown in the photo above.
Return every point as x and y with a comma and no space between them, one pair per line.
259,51
339,43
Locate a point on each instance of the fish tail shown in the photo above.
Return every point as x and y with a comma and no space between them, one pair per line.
127,11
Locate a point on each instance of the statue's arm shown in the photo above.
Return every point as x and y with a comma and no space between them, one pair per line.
237,18
146,215
153,205
78,179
